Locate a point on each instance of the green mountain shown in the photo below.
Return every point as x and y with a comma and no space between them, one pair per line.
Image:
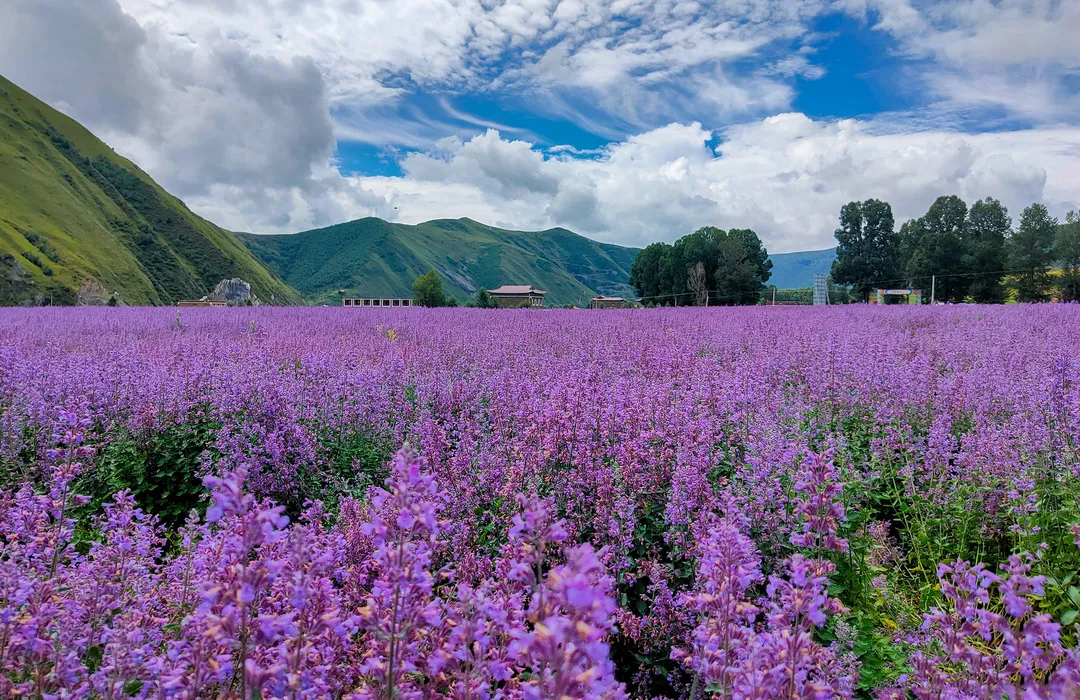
796,270
372,257
72,209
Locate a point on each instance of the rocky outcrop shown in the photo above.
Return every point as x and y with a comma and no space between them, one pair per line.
92,293
236,292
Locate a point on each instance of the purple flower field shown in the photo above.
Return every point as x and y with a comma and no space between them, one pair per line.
877,502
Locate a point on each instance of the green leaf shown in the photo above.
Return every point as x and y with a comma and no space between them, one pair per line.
1069,617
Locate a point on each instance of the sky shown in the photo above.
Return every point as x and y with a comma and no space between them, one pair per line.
628,121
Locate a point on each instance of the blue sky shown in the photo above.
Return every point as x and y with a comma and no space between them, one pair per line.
863,72
626,120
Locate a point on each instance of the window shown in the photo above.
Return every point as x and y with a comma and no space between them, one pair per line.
406,302
367,302
397,302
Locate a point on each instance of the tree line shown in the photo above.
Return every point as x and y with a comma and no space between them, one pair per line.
965,253
707,267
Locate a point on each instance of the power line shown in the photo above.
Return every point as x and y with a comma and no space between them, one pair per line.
961,274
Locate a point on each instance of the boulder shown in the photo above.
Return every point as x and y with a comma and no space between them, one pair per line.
92,293
236,292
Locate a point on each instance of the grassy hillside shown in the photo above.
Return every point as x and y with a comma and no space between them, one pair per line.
796,270
71,208
372,257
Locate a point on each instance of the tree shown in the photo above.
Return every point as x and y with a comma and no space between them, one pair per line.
428,291
645,271
1067,252
695,282
937,246
988,227
868,247
742,269
733,263
483,299
1031,252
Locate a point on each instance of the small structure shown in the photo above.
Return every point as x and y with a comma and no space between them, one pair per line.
603,302
821,290
909,293
380,303
202,301
515,296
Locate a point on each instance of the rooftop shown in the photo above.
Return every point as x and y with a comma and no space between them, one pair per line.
516,289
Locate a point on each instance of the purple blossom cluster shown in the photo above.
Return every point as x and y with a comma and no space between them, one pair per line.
737,655
680,503
250,605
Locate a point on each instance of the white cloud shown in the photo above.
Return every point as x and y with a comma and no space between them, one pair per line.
243,137
785,176
1015,55
237,106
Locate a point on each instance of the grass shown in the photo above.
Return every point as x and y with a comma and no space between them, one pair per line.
372,257
71,208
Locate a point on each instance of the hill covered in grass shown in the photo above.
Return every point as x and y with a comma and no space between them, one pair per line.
372,257
72,209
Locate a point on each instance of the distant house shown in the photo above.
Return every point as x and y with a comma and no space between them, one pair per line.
514,296
603,302
364,303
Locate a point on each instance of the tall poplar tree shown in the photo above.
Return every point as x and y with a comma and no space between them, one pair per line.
1031,252
988,227
868,250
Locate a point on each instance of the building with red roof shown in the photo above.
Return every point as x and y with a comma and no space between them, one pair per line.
514,296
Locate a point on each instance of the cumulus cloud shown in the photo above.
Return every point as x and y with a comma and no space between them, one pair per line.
785,176
243,137
1020,56
238,107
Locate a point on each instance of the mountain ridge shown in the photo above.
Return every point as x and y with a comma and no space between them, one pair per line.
318,275
73,210
796,270
374,257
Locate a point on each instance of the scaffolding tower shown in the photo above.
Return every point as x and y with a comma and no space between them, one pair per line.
821,290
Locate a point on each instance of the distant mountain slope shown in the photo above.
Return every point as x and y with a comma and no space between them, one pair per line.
796,270
372,257
71,208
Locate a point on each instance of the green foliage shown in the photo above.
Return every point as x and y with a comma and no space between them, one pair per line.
91,213
988,227
160,469
1067,252
935,245
43,245
868,253
736,266
427,290
354,461
375,258
1031,251
483,299
838,294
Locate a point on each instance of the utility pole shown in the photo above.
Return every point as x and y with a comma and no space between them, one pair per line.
933,285
774,295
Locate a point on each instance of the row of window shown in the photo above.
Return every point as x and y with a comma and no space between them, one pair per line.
377,302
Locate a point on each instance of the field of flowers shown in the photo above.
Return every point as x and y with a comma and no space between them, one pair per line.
684,503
